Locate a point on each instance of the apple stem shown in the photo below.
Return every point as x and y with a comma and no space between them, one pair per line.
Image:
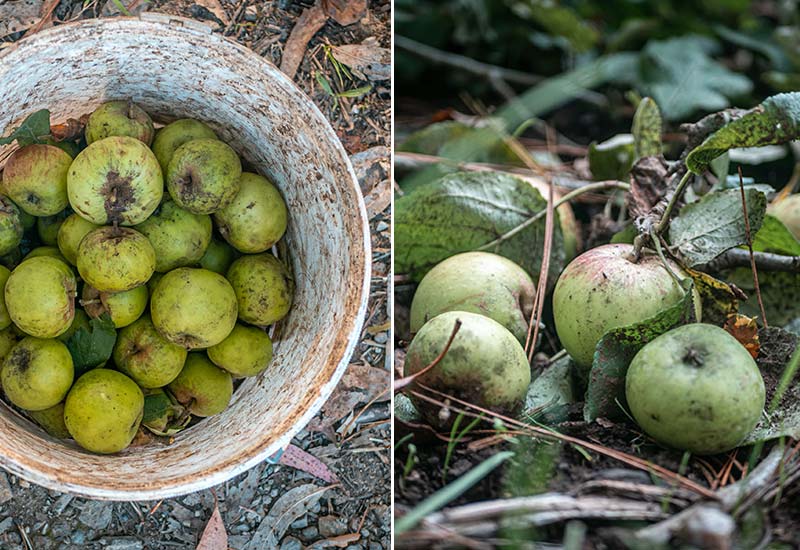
661,226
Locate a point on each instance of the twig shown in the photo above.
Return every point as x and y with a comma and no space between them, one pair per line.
465,63
403,382
750,249
592,187
765,261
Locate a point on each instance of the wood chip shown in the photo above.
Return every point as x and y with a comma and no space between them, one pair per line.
366,61
309,22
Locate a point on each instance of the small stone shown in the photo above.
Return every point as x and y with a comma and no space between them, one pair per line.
291,543
78,537
375,546
123,543
61,504
6,493
6,525
96,514
301,523
238,542
191,500
382,226
331,526
381,338
309,533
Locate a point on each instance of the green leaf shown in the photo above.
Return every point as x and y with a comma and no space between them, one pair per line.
619,68
776,238
34,129
682,77
617,348
156,406
612,159
91,348
356,92
647,129
324,84
557,20
705,229
467,210
775,121
551,393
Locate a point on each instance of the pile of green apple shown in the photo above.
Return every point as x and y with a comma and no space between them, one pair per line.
124,216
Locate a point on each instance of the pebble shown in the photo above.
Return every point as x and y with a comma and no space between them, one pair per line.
96,514
310,533
6,525
375,546
331,526
61,504
382,226
381,338
291,543
301,523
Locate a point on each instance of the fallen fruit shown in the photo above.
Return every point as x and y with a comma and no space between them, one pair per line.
202,387
603,289
119,118
40,296
175,134
264,288
246,351
194,308
70,235
115,259
695,388
103,411
179,237
35,178
37,373
144,355
478,282
115,180
485,364
203,175
123,307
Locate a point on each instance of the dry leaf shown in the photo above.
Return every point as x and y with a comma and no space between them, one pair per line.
745,330
297,458
68,131
216,8
214,536
359,385
342,541
309,22
345,12
294,504
19,15
365,61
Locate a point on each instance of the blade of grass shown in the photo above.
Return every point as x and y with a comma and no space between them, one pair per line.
449,493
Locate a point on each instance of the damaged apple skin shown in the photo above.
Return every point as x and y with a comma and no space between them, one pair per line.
485,365
695,388
35,178
143,354
175,134
203,175
119,118
478,282
37,373
264,288
40,296
123,307
115,259
602,289
115,180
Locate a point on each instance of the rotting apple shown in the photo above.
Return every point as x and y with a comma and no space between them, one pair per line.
119,118
256,218
115,259
115,180
40,296
603,289
695,388
175,134
35,178
11,228
203,175
478,282
264,288
179,237
485,364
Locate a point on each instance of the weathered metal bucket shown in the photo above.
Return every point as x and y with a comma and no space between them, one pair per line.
176,68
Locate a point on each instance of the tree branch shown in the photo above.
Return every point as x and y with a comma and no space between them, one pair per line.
765,261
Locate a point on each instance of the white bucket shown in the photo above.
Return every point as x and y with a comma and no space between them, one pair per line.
176,68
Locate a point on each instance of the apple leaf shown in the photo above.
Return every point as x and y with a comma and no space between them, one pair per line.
465,211
91,348
776,238
705,229
617,348
775,121
156,405
613,158
551,393
646,129
32,130
717,297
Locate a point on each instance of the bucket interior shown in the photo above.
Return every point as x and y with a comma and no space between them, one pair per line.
182,72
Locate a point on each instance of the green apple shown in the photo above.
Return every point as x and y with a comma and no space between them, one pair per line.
203,175
115,180
40,296
71,233
144,355
119,118
123,307
35,178
5,318
175,134
11,228
52,421
202,387
115,259
37,373
264,288
179,237
218,257
245,352
47,227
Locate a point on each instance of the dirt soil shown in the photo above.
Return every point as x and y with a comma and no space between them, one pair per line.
354,514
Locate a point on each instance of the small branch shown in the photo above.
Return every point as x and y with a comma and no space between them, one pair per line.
765,261
599,186
750,249
403,382
662,224
492,72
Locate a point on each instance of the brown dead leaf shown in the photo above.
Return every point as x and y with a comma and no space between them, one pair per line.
19,15
366,61
307,25
345,12
297,458
648,185
359,385
745,330
342,541
214,536
378,198
68,131
216,8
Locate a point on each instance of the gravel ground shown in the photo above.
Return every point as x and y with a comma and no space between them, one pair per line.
356,512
